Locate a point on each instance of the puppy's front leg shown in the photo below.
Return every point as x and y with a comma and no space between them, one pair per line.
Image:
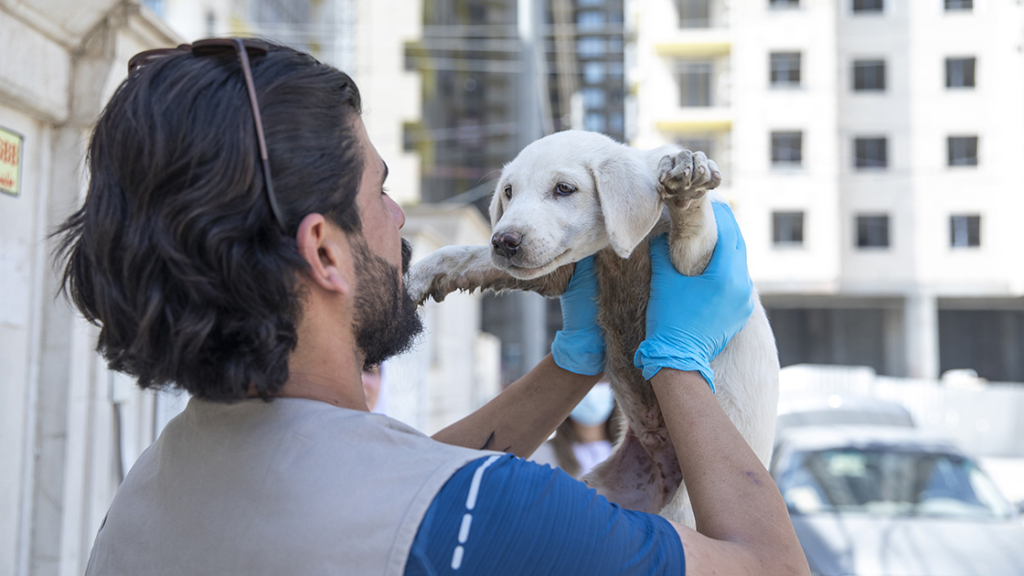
684,180
469,267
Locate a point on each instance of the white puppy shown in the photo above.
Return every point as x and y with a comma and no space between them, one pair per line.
573,194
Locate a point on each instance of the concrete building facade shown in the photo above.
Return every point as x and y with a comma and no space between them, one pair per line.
870,151
60,408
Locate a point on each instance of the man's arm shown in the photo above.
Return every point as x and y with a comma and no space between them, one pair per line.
523,416
743,526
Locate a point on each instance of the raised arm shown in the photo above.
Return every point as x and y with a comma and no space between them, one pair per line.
743,526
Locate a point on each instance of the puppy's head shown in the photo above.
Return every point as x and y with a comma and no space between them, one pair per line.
567,196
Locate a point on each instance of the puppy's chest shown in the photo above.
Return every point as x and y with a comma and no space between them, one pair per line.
624,287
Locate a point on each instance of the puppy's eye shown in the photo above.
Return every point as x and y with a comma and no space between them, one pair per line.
564,189
508,191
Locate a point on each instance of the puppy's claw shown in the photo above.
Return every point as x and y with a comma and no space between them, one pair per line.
687,175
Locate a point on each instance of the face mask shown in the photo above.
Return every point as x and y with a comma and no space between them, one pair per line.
596,406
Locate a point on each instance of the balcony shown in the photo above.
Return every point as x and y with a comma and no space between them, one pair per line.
684,120
701,14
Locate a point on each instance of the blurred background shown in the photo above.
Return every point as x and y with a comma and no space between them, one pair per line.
871,151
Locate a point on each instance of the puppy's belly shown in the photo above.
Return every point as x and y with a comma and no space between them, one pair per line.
643,472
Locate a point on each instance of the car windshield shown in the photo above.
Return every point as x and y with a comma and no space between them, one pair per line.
889,483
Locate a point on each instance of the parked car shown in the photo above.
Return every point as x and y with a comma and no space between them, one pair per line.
836,409
894,501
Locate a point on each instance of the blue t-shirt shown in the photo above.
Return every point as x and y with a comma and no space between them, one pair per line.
501,515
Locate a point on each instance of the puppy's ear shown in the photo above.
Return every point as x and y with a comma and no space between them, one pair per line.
496,209
629,201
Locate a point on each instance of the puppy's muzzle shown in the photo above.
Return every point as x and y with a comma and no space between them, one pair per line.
506,243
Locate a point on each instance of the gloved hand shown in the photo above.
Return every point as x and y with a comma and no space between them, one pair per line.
579,345
690,319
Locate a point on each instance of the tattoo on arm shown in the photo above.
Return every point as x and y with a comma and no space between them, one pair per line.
490,440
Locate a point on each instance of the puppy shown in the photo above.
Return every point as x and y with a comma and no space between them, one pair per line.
573,194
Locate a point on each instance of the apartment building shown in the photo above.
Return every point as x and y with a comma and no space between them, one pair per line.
871,151
496,75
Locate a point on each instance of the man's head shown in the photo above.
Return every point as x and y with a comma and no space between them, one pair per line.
175,253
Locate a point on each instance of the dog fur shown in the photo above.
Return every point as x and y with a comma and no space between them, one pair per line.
573,194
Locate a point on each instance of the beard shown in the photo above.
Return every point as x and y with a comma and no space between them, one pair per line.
386,321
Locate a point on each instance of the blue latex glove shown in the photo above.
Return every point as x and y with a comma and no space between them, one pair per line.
690,319
579,345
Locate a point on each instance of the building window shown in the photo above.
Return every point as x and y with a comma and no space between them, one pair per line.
868,75
870,153
699,143
593,98
590,20
788,228
964,231
157,6
694,13
872,231
783,3
860,6
962,150
956,5
616,122
695,83
211,24
787,148
960,72
594,122
593,72
785,68
590,47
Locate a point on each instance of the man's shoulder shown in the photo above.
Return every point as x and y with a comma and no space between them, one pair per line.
298,424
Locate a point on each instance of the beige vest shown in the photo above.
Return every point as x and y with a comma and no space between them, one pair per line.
287,487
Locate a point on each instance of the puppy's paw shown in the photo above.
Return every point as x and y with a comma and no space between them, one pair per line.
449,269
417,284
686,176
425,279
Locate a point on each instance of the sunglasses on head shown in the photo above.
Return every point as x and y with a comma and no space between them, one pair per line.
217,47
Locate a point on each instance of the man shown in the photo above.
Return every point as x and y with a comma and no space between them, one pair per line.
236,242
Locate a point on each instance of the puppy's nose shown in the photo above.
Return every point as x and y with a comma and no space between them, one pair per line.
506,243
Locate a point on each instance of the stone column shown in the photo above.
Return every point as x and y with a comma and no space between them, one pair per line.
921,332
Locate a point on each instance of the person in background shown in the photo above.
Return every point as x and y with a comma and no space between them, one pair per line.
372,383
586,437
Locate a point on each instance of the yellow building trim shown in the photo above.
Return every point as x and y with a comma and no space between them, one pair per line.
694,47
695,125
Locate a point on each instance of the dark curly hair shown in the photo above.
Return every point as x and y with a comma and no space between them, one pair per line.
175,253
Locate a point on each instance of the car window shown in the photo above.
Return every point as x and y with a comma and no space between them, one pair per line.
889,483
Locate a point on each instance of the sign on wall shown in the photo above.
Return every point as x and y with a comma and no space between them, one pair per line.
10,161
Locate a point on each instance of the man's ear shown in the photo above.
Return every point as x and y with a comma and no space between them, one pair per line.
323,251
629,201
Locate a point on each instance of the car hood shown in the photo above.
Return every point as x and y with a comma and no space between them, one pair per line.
869,545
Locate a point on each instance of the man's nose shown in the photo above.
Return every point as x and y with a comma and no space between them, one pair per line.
397,212
506,243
